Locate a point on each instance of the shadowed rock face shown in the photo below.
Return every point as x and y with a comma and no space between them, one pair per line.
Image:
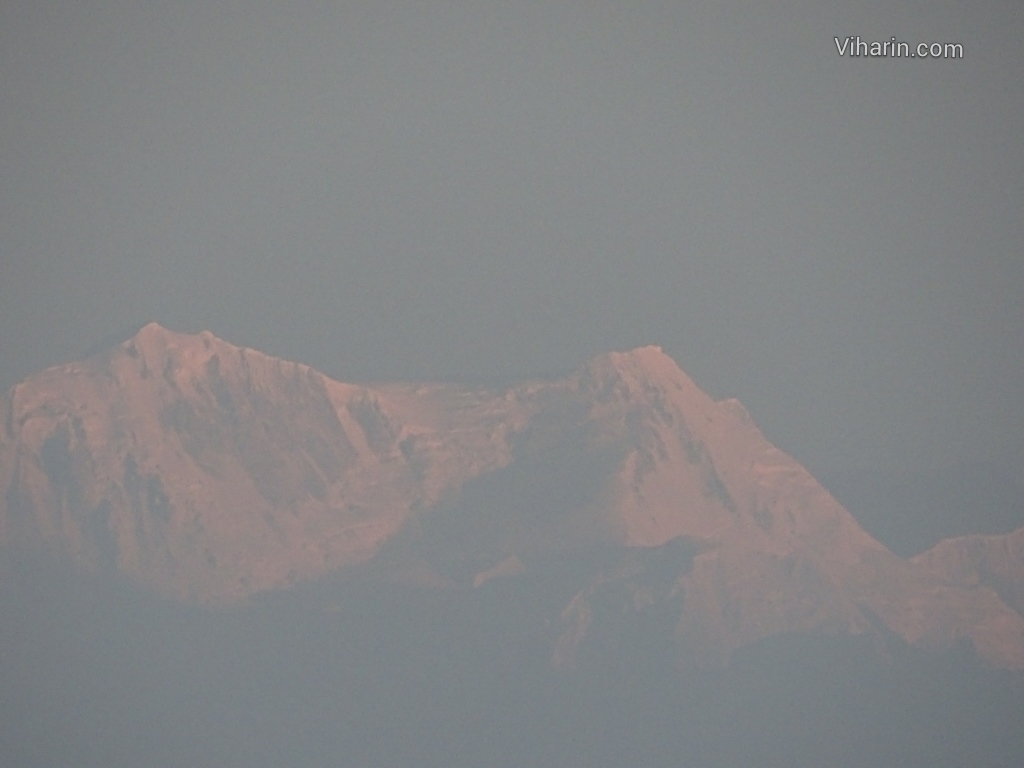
211,473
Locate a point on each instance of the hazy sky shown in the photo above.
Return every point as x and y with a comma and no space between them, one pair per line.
487,190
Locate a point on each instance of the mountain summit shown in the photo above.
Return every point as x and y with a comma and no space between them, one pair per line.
211,473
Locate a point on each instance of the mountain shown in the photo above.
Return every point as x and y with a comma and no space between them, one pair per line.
994,561
211,473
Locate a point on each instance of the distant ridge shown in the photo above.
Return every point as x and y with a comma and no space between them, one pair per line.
211,473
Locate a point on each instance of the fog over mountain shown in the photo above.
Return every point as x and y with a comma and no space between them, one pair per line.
566,383
211,473
616,518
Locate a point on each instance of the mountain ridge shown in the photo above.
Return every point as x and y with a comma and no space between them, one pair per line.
211,472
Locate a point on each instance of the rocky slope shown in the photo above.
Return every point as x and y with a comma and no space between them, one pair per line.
992,561
211,473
